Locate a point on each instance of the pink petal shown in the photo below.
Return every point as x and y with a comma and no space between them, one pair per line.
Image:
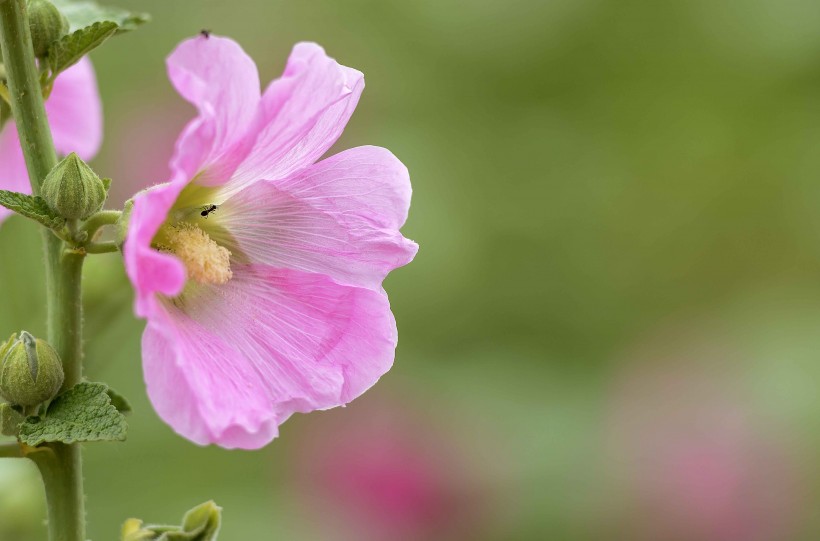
228,364
340,217
149,270
304,112
13,174
75,111
221,81
363,183
175,385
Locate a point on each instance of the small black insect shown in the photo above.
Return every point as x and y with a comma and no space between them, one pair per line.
205,33
206,210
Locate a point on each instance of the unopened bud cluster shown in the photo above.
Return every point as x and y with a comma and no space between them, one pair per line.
30,370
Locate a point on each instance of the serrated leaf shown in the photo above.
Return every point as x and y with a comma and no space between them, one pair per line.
10,419
68,50
119,401
83,413
31,206
106,184
85,13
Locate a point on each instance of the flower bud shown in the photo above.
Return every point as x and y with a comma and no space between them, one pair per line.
199,524
203,521
30,370
47,25
73,189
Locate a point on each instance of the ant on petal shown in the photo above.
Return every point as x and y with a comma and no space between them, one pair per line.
206,210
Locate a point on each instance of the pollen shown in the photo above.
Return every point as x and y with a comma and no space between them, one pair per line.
206,261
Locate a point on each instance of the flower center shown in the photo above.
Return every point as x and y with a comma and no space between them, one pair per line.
206,261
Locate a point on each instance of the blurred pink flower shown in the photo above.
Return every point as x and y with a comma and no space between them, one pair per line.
75,114
698,462
388,473
258,269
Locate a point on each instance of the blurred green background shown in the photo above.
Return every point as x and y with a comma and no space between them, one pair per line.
611,328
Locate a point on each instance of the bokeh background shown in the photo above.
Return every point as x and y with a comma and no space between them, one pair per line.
611,329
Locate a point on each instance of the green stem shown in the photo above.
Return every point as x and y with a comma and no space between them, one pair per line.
10,450
107,247
68,316
60,464
61,468
99,220
23,80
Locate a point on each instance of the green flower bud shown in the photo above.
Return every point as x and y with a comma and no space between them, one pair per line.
30,370
73,189
203,521
47,25
199,524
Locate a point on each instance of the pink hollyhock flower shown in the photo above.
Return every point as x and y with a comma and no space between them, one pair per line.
75,114
258,268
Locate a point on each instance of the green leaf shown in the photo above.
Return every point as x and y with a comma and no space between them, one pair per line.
83,413
68,50
31,206
85,13
119,401
10,419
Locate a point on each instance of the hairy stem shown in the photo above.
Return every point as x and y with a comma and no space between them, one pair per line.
99,220
106,247
60,465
